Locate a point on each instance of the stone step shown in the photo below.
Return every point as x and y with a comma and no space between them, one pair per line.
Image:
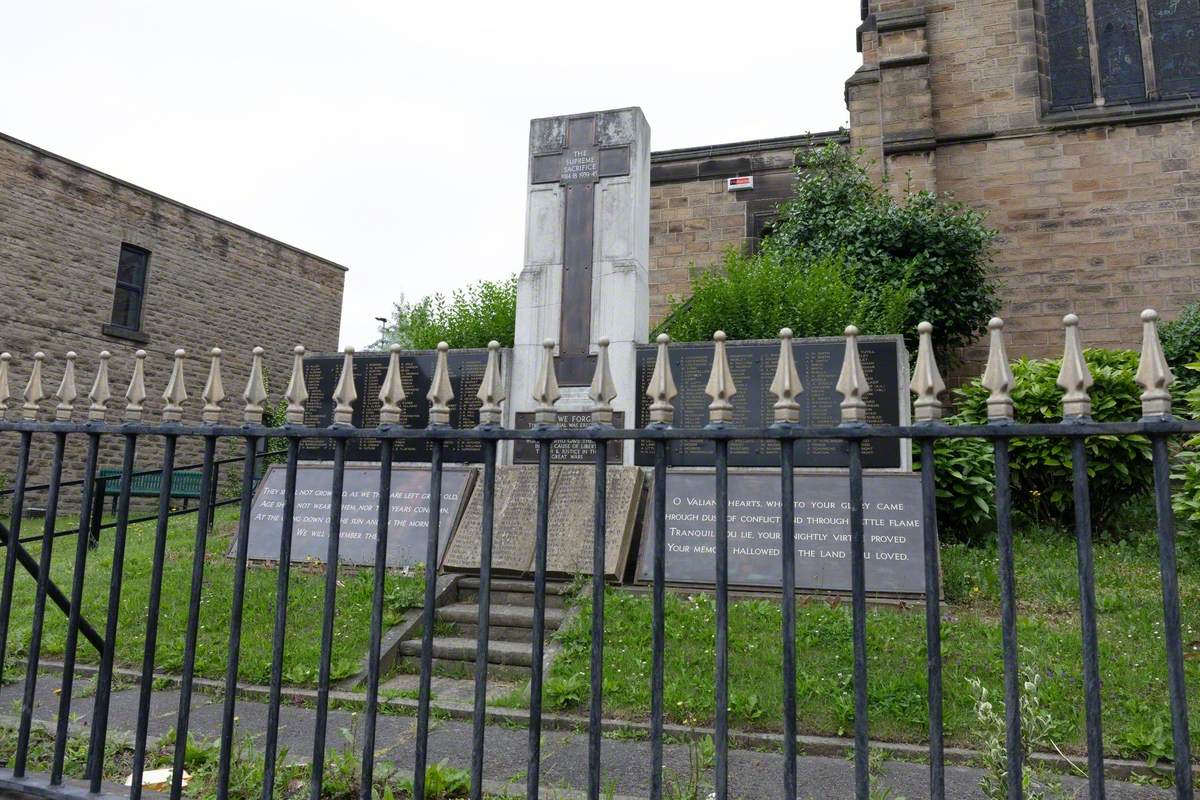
499,615
463,670
453,648
513,593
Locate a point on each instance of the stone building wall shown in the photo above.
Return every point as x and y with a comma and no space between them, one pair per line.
210,283
1097,206
694,218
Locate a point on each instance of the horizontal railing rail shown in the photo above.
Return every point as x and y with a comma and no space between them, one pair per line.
1157,425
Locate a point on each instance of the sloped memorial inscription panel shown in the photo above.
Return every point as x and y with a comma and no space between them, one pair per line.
408,524
895,562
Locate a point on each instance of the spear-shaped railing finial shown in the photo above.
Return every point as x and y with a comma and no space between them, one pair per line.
603,389
1154,373
852,383
662,389
391,393
344,394
5,391
720,384
34,393
491,389
297,392
135,395
256,390
998,376
1074,378
786,386
927,383
214,389
175,394
100,393
67,392
440,392
545,391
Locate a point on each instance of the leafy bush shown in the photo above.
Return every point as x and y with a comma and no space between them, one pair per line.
966,489
1186,471
470,317
756,295
1181,344
1119,467
936,248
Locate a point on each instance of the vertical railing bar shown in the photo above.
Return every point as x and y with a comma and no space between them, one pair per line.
14,535
191,634
721,541
1008,622
380,573
599,531
858,582
95,770
153,603
659,614
933,624
787,493
1087,619
317,778
1176,685
533,771
279,635
82,543
483,625
421,756
39,608
235,620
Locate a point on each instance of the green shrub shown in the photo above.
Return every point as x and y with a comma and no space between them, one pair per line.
1186,470
1181,344
1119,467
470,317
931,246
753,296
966,489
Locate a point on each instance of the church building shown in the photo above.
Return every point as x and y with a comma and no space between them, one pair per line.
1074,124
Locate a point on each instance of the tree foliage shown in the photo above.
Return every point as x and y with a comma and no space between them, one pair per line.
469,317
933,247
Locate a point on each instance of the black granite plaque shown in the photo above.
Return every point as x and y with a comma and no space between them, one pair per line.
321,375
408,523
819,361
892,524
566,451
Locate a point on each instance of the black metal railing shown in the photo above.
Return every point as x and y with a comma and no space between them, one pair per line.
1159,428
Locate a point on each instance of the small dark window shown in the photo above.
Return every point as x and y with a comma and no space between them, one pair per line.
131,287
1070,56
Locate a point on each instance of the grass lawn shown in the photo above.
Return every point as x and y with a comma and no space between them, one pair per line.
1136,721
305,604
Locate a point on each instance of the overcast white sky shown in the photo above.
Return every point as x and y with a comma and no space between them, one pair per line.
391,136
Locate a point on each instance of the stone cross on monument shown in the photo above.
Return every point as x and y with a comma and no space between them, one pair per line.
587,242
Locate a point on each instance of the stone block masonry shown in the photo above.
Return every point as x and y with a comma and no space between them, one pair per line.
1097,207
210,283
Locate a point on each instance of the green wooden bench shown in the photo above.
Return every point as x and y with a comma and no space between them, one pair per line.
185,484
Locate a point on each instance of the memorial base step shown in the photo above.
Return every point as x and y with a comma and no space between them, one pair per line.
509,592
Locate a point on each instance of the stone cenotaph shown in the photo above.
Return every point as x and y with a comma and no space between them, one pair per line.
587,242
